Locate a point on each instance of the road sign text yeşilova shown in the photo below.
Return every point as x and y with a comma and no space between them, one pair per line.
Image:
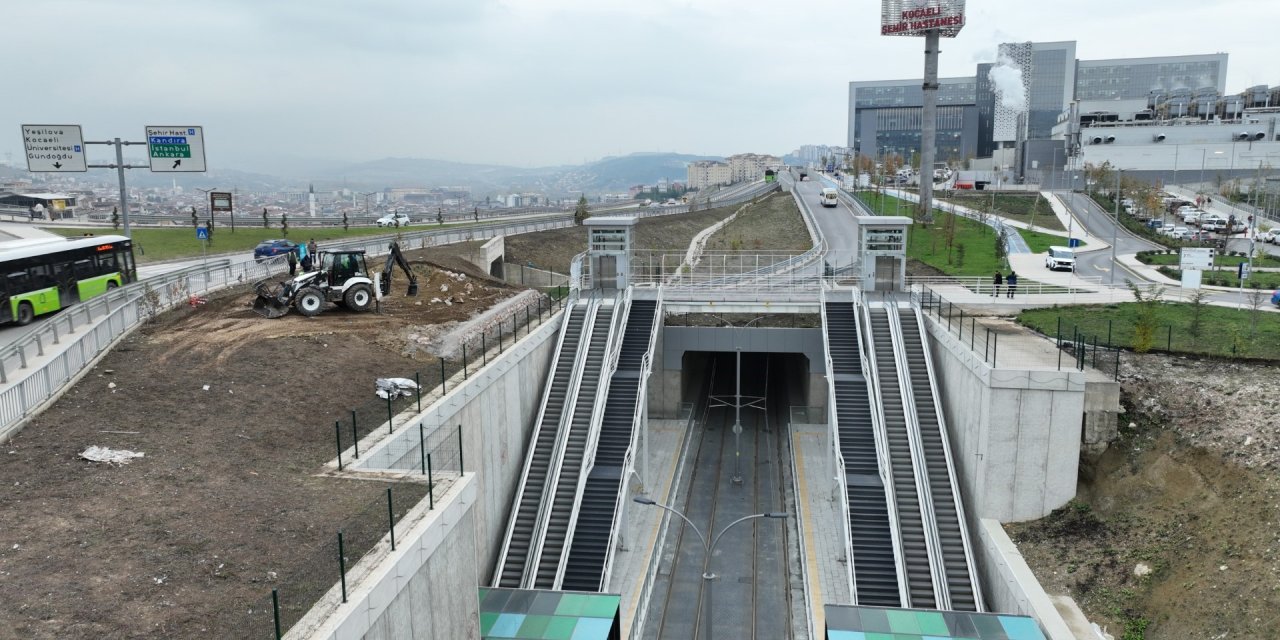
54,147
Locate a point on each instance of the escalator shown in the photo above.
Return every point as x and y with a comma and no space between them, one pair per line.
569,467
953,541
515,553
911,527
875,570
593,529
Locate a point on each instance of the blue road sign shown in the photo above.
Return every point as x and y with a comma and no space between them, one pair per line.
202,233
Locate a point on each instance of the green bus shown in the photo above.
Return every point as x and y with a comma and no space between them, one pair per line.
43,276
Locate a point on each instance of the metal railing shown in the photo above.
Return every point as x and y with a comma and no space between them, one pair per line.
982,285
929,302
94,326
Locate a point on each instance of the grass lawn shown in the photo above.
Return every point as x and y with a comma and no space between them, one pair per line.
1266,280
1221,328
1164,259
1028,208
929,245
153,245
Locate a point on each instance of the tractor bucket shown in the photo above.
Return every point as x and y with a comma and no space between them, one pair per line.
413,288
271,301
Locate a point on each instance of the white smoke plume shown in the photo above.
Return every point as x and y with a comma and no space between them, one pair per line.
1006,77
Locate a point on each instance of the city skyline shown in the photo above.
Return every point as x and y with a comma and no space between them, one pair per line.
526,83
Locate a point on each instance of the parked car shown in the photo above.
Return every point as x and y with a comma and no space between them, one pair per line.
1202,236
269,248
394,220
1192,217
1180,233
1155,225
1267,236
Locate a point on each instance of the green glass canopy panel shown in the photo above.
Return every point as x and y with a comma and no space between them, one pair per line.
527,614
878,623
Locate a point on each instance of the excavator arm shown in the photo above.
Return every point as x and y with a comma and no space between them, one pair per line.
395,257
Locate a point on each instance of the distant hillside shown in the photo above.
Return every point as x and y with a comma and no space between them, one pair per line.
618,173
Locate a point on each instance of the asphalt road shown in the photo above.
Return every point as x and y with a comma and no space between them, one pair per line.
837,224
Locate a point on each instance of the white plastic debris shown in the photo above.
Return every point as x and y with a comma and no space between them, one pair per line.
206,387
395,387
111,385
114,456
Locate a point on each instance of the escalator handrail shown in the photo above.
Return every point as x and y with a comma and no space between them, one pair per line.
951,471
833,427
566,311
617,330
919,464
870,370
628,461
562,436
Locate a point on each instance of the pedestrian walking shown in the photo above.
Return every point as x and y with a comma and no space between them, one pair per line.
312,248
1012,281
292,258
999,280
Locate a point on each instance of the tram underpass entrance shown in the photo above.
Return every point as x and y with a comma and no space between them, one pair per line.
729,473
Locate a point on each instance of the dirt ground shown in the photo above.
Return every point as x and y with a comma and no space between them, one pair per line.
555,249
773,224
235,416
1174,532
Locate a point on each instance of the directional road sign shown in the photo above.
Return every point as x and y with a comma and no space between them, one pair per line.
54,147
176,149
1196,259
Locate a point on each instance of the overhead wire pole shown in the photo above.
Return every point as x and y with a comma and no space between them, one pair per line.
120,166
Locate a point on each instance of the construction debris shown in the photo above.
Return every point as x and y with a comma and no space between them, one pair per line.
113,456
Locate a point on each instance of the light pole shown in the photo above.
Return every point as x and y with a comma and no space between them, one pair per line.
708,578
737,397
1115,230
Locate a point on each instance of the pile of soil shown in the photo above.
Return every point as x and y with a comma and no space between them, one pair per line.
1174,533
235,415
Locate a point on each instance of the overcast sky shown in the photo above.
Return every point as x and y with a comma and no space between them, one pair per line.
530,82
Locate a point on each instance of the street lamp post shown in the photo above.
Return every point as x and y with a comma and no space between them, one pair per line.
708,578
1115,230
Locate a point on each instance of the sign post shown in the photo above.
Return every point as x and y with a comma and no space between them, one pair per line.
202,234
1192,261
932,19
220,202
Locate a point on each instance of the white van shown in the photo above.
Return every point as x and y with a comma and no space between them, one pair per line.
1060,258
829,197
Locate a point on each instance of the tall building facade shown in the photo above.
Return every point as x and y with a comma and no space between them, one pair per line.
707,173
975,121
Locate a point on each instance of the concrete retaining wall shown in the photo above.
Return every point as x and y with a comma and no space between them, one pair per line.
1009,585
426,588
1015,434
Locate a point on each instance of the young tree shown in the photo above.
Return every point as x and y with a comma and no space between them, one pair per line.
1197,301
1144,329
1256,298
582,212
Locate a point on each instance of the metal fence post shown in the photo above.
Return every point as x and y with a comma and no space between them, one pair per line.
337,433
1109,333
484,347
499,335
275,608
355,436
460,468
422,447
431,485
391,520
995,346
1117,364
961,336
417,382
1169,342
526,322
390,427
464,361
342,566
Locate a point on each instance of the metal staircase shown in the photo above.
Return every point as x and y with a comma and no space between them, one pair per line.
588,558
559,394
875,570
957,557
916,558
563,490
